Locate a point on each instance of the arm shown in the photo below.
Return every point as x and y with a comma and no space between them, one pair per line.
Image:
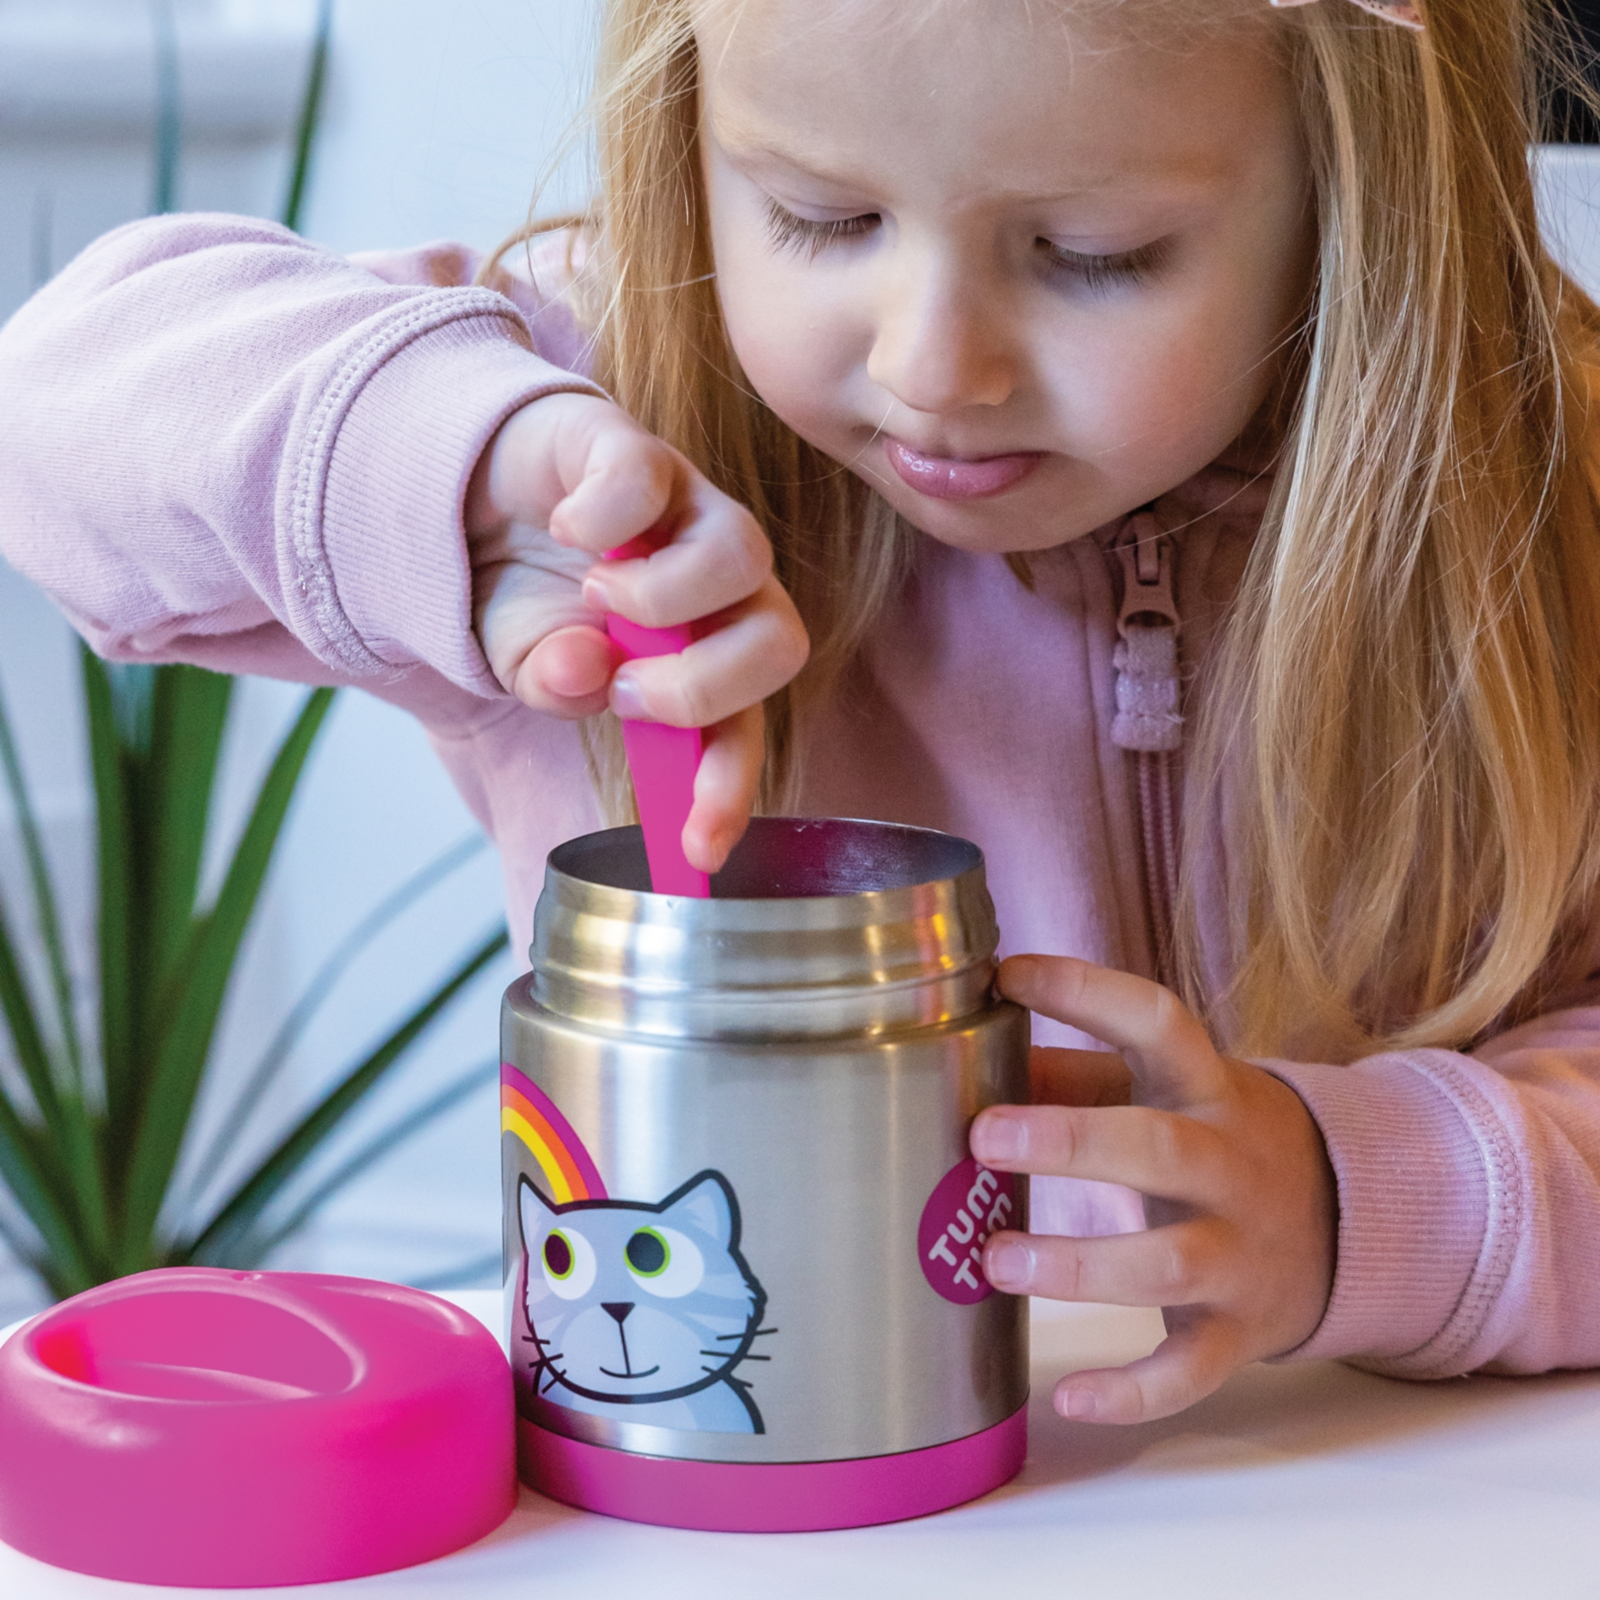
1469,1202
1425,1213
223,445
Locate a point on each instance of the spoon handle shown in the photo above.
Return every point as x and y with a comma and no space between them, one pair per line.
662,759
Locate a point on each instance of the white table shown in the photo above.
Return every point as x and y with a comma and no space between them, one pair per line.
1294,1483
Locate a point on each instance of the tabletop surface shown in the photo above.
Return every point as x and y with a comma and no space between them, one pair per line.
1300,1481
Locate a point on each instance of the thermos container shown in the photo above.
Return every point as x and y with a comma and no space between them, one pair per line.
743,1227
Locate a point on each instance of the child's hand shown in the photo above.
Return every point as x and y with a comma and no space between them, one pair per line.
571,476
1242,1209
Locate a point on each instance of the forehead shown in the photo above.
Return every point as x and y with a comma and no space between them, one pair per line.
1035,96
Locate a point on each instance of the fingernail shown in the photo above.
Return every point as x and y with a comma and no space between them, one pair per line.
626,700
596,596
1080,1405
1008,1265
997,1137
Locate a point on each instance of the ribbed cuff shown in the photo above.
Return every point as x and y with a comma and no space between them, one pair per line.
397,479
1414,1179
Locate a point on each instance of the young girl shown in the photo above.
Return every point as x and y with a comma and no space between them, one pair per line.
1163,423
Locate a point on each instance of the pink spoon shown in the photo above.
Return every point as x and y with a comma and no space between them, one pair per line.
662,759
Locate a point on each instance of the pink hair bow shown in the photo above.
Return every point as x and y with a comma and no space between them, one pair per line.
1406,16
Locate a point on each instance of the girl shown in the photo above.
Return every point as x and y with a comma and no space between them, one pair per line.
1161,422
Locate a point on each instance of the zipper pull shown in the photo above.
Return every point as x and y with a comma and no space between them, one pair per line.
1146,656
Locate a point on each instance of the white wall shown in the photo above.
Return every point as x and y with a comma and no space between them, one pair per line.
442,114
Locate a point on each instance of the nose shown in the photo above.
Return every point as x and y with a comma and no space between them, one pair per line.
941,342
618,1309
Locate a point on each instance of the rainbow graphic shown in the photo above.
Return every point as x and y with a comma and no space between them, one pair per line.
528,1112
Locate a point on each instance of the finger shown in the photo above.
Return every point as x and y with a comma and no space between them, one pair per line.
1190,1363
1170,1053
725,788
1183,1264
1156,1152
1078,1077
629,483
717,558
568,673
751,652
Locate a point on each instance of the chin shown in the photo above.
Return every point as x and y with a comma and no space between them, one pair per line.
1005,525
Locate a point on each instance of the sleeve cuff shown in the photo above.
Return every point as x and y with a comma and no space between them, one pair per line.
1414,1149
396,478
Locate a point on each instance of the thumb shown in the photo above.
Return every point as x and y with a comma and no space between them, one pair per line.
620,482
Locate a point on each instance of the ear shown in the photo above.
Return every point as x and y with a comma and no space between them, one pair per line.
707,1203
536,1212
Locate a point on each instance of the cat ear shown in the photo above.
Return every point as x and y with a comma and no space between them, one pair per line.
535,1210
706,1202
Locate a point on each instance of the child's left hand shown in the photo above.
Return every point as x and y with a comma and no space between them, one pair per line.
1241,1201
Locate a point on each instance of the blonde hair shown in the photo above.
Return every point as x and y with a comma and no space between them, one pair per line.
1410,828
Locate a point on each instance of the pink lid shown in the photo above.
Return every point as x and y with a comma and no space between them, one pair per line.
202,1427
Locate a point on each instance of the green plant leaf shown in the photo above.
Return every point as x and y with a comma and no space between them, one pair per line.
122,996
27,1176
189,710
27,1041
256,1246
187,1017
44,898
240,1213
73,1156
305,140
267,1070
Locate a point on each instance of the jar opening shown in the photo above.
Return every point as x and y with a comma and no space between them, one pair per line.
787,858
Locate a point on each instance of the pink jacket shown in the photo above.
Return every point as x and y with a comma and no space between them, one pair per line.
223,445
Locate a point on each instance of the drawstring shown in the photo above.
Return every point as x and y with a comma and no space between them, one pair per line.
1148,722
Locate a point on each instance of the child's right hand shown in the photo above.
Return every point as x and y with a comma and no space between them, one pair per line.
571,476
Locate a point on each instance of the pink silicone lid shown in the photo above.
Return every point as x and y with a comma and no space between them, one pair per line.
202,1427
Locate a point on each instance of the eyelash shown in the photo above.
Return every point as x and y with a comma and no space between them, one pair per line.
810,238
801,234
1098,273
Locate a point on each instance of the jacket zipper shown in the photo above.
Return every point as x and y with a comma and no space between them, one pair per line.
1148,723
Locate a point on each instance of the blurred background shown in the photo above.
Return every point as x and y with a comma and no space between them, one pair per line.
440,116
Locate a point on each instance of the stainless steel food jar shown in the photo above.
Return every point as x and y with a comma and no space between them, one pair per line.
742,1222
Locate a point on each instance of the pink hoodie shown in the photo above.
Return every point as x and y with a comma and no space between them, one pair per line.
222,445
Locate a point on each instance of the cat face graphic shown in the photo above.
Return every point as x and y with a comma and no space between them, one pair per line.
632,1304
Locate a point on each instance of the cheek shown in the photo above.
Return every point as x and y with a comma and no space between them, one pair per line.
792,331
1191,379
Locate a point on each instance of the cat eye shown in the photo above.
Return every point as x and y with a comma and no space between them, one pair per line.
665,1262
648,1253
569,1263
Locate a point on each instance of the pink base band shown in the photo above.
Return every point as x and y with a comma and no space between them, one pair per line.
771,1497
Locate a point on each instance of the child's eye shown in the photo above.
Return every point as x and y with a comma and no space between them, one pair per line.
801,234
1107,272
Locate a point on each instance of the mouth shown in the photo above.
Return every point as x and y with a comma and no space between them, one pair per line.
956,477
626,1376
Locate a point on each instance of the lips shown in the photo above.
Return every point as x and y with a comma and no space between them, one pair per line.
956,477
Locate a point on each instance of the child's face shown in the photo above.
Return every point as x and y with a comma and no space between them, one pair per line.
1020,275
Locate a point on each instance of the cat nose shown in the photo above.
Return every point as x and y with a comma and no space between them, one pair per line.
618,1309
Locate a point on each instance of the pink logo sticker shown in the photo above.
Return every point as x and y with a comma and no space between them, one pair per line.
969,1204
